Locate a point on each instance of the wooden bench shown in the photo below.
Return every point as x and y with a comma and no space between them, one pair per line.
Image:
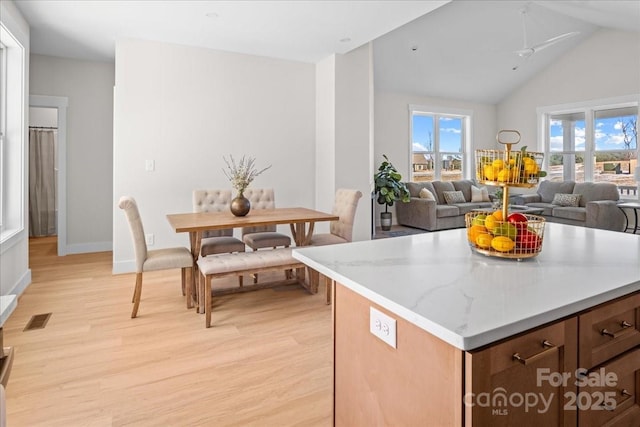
240,263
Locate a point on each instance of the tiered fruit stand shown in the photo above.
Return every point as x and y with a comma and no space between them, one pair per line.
502,233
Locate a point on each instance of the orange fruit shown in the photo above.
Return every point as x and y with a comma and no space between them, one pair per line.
498,215
502,244
474,231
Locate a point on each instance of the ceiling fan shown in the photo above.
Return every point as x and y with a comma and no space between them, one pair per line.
527,51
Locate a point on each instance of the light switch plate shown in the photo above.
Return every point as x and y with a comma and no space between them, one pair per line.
149,165
382,326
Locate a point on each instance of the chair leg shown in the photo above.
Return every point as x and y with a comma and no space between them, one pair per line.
187,285
255,275
328,283
137,293
184,290
207,301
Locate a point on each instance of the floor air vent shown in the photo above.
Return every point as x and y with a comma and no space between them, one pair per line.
38,321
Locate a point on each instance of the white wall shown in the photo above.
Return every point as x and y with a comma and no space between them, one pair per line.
185,108
354,131
392,118
88,85
325,136
15,274
606,65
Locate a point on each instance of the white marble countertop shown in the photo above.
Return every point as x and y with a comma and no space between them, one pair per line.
8,303
436,282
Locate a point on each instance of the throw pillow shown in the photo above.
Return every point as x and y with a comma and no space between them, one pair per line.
452,197
479,194
562,199
426,194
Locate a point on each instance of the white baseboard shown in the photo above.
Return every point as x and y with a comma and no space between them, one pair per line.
22,284
84,248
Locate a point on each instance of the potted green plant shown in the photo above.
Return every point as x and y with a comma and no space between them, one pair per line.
389,188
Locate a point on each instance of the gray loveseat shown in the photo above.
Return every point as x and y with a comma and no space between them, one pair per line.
436,214
596,206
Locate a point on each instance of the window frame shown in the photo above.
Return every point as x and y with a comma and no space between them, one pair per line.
588,109
437,112
14,136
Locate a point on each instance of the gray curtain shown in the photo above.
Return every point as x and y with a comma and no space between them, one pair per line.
42,183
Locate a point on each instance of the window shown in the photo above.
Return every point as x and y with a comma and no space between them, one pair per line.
439,144
592,142
12,127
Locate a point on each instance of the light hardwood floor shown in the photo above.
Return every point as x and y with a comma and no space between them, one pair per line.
266,361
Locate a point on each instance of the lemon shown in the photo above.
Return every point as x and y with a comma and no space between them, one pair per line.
483,240
489,173
491,222
502,244
503,175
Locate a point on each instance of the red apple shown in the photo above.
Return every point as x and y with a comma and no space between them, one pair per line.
519,220
528,240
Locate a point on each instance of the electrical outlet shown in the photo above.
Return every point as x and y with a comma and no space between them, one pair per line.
382,326
150,239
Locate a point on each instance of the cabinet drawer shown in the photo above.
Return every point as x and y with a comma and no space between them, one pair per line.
610,396
609,330
500,377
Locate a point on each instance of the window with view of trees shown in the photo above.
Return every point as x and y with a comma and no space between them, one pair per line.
439,144
593,143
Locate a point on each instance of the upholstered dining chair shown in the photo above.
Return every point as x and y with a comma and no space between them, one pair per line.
340,231
216,241
261,237
158,259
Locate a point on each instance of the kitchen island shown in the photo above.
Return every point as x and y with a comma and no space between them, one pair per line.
467,325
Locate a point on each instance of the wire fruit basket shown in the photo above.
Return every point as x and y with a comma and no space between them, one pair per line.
518,237
502,233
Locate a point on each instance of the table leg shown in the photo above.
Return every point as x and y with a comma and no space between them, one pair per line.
195,240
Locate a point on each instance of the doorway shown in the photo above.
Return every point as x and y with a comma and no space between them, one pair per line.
46,114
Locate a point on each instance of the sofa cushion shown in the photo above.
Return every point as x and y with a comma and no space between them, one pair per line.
591,191
479,194
548,207
415,187
426,194
464,185
441,187
465,207
453,197
562,199
570,212
548,189
443,211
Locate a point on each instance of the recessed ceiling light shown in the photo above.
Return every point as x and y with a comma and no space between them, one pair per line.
414,48
212,15
345,40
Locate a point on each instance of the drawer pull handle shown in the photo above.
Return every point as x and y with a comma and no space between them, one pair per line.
548,349
624,324
613,407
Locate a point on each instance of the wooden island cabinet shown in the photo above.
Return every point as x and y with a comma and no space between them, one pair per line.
468,340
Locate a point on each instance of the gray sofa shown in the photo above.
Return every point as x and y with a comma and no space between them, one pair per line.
436,214
597,205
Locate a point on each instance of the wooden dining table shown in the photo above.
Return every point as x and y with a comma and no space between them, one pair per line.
301,221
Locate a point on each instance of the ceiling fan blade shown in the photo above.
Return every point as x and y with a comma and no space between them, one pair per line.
553,41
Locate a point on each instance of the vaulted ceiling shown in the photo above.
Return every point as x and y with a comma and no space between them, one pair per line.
454,49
